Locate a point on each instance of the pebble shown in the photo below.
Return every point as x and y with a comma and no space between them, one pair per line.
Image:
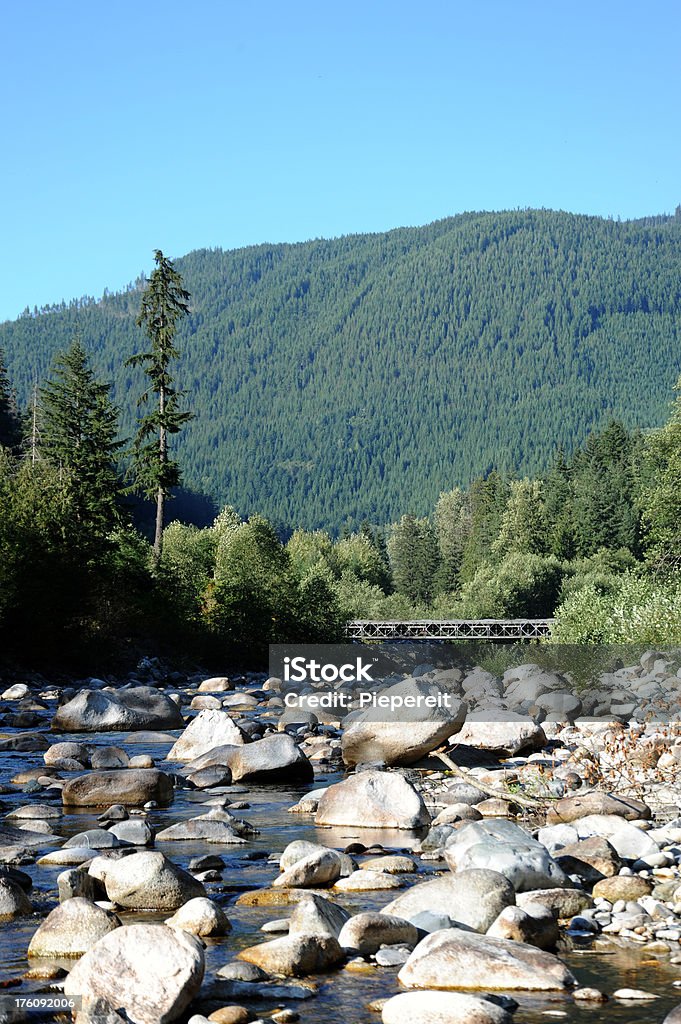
634,994
590,995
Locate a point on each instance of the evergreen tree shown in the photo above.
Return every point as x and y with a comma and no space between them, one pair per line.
523,524
164,302
79,428
453,526
558,510
604,487
10,420
415,558
488,498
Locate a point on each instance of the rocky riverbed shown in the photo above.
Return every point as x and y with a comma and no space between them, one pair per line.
190,849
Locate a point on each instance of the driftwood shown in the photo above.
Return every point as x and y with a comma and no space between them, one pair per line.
522,801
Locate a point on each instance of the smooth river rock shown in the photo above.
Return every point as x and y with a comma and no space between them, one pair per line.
571,808
504,732
373,800
275,758
147,881
150,971
465,960
210,728
504,847
629,842
403,736
367,932
13,900
472,898
140,707
132,787
319,868
71,929
442,1008
200,916
295,955
315,915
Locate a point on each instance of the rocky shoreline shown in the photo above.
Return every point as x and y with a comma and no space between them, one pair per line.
488,838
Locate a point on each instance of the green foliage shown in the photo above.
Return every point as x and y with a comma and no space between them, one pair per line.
10,420
523,585
164,303
603,488
79,434
523,522
356,378
308,550
660,497
601,572
258,598
187,567
453,527
488,498
414,558
358,599
360,555
638,610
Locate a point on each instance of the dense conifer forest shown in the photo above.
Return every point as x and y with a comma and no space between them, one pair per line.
333,382
594,538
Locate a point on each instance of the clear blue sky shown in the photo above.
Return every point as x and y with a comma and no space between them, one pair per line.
158,124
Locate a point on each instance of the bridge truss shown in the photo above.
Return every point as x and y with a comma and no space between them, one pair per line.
450,629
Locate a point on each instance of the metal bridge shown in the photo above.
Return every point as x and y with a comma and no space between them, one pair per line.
449,629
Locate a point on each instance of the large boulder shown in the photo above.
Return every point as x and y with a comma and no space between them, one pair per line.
561,903
504,732
442,1008
315,915
571,808
504,847
629,842
205,827
453,958
367,932
373,800
275,758
72,928
321,867
149,971
147,881
132,787
200,916
473,899
591,859
536,925
208,730
295,955
407,733
13,900
11,836
139,707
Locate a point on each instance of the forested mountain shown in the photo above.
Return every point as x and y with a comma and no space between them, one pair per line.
337,381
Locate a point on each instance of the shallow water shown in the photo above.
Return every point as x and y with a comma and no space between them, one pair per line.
342,995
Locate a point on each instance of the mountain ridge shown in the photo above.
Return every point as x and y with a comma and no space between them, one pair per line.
352,378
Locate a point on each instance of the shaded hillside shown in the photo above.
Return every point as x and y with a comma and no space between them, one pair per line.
339,380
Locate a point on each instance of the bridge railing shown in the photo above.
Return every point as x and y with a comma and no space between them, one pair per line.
449,629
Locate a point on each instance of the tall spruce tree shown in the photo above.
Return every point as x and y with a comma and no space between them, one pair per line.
415,558
164,302
79,435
